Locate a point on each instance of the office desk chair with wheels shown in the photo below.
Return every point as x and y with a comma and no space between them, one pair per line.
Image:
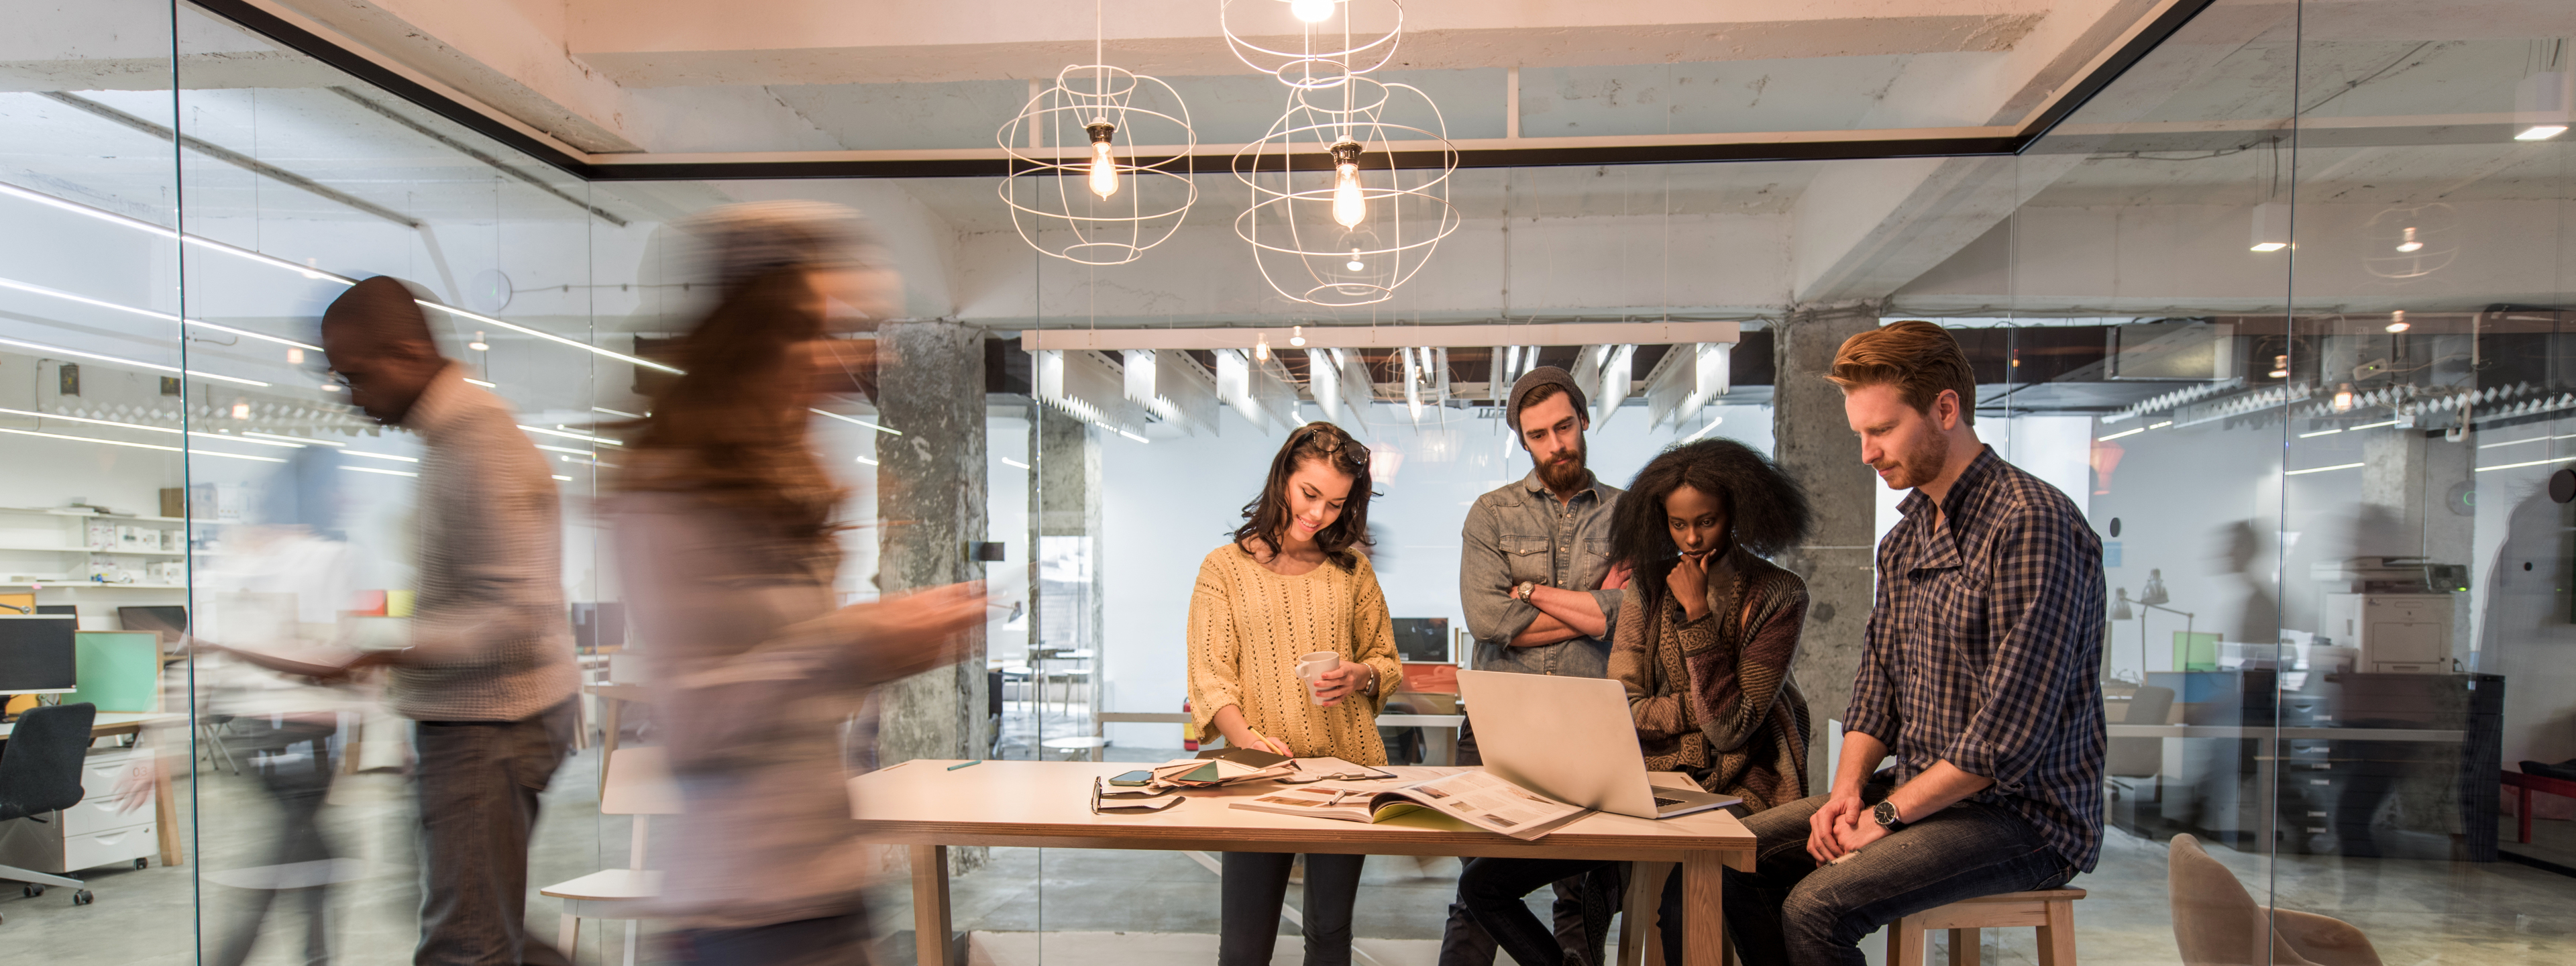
40,772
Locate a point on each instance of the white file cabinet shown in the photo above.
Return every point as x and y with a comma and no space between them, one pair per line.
93,833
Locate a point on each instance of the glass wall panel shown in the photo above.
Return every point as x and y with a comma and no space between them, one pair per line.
100,514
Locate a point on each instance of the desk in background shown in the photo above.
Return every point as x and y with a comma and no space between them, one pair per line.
1047,804
165,809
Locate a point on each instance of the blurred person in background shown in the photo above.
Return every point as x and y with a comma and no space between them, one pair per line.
1706,634
1292,581
725,522
488,675
274,600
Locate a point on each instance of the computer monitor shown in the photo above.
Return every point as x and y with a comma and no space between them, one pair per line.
169,621
64,609
36,654
598,625
1422,639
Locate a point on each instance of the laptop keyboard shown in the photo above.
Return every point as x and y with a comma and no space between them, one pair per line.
1661,802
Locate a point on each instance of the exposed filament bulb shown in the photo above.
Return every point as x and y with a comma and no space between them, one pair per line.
2411,244
1350,207
1104,169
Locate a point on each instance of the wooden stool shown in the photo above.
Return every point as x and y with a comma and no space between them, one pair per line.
2052,910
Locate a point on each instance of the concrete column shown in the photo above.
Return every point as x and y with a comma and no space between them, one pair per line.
1069,505
2409,509
1816,448
930,507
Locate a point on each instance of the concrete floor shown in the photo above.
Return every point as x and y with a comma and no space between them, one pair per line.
1078,907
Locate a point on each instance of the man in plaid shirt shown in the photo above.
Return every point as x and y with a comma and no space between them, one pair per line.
1980,676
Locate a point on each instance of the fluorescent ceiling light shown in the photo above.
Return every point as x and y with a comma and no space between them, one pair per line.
370,469
2124,432
561,449
381,456
148,313
566,479
612,412
153,429
2376,425
305,270
1133,436
479,382
1007,461
1704,430
578,436
549,336
2321,432
868,461
2516,466
165,449
40,347
2161,425
858,422
292,439
2322,469
2541,132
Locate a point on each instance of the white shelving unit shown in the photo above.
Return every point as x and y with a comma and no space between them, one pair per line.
53,547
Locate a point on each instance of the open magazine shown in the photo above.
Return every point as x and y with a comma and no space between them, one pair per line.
1478,798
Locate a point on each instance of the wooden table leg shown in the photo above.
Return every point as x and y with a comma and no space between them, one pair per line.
1965,947
165,810
1639,941
930,926
1703,908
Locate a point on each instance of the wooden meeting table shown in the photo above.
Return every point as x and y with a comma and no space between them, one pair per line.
1047,804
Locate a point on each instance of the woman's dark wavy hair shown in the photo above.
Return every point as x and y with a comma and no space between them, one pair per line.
1266,517
1766,511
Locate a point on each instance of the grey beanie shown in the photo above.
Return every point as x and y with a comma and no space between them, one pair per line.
1543,376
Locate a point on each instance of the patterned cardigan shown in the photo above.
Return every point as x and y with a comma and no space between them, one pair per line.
1713,697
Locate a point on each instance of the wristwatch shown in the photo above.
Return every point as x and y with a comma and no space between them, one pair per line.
1885,813
1523,589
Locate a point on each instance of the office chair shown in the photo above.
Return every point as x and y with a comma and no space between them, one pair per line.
40,773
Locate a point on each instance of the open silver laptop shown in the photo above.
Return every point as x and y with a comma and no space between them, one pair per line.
1570,739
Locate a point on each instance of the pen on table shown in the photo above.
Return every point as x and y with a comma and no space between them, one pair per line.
963,764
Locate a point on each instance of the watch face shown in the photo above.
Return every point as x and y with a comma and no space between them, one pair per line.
1885,813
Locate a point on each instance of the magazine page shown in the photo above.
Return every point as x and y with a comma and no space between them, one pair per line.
1486,801
1344,803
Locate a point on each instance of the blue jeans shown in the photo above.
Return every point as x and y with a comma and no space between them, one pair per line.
1791,910
478,784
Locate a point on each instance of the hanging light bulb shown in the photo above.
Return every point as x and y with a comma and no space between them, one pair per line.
1297,336
1311,11
1349,206
2343,398
1104,169
294,357
478,344
2410,244
2280,367
1261,347
1355,264
2397,321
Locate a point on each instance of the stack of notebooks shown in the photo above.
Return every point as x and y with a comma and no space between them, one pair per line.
1225,766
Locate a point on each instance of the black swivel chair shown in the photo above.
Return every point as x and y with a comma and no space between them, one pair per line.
40,773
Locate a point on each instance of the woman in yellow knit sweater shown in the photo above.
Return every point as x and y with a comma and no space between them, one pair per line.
1294,581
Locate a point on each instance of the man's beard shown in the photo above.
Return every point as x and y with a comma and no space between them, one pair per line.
1566,471
1921,465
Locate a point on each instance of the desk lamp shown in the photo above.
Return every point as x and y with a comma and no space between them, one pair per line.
2152,596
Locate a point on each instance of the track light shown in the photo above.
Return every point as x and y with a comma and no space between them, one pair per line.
478,344
2343,398
2280,367
2410,244
1297,336
2397,321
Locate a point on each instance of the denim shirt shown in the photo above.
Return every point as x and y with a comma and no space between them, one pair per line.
1522,532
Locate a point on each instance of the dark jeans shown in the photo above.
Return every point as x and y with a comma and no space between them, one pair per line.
1491,891
1790,910
1462,941
297,788
832,941
1257,882
478,786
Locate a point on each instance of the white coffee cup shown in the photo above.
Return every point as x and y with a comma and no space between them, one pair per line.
1311,668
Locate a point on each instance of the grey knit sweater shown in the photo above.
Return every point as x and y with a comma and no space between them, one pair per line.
490,641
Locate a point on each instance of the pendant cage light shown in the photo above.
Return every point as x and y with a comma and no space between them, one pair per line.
1077,188
1333,220
1334,40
